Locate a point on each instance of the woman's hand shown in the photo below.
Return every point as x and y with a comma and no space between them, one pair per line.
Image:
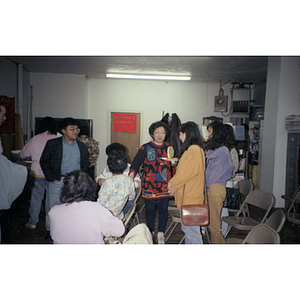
170,190
101,181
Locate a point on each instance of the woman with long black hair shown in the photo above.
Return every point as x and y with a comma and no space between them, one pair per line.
187,185
218,170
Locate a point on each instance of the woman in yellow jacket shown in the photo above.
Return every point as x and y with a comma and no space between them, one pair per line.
187,185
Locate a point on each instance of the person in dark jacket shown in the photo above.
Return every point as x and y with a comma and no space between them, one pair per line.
60,157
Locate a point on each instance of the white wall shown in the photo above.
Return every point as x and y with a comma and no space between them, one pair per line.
190,101
58,95
282,99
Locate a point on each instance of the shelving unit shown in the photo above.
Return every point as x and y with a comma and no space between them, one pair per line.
243,152
254,133
292,163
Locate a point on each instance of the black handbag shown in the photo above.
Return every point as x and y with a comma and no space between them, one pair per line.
233,198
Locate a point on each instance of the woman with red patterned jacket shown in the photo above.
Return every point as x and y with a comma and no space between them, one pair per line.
156,175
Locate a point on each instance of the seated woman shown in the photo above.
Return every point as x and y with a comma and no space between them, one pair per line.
105,174
115,190
79,220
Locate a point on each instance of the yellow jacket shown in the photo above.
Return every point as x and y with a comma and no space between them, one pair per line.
190,173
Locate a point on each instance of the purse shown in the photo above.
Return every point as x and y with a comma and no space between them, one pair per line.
233,199
195,214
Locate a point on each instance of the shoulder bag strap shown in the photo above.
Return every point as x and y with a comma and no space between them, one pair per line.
205,190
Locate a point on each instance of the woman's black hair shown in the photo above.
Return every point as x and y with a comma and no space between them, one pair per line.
219,135
158,124
78,186
48,124
115,146
193,135
117,162
230,141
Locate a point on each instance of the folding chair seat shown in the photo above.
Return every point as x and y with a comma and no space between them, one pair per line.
253,211
275,221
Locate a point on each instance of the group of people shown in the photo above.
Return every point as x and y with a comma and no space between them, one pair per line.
79,212
63,166
211,163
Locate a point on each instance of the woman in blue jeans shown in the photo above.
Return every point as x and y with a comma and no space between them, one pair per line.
188,183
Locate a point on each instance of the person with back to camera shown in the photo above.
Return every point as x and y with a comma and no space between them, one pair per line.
156,175
34,148
187,185
106,174
79,220
93,149
230,143
115,190
218,170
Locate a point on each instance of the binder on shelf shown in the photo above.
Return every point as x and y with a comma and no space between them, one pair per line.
239,132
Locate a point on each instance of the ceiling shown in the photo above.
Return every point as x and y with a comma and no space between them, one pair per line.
239,69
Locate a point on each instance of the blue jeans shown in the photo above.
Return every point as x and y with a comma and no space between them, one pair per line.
150,207
37,196
192,234
54,190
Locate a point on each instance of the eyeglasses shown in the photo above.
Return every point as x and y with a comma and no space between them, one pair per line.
74,129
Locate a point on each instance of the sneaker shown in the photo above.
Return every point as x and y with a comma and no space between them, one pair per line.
160,238
30,226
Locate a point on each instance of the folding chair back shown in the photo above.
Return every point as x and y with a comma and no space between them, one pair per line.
294,200
262,234
261,199
276,220
131,211
245,187
122,206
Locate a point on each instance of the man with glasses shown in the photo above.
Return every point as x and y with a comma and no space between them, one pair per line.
60,157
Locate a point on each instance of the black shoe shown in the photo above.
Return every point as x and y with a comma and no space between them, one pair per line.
48,237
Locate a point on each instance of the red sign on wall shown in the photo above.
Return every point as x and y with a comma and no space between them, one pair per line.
125,122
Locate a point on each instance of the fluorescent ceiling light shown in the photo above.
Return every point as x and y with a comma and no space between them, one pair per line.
153,77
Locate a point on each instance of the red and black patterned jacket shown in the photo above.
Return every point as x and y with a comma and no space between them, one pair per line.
156,171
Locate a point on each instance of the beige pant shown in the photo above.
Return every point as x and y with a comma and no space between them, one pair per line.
216,196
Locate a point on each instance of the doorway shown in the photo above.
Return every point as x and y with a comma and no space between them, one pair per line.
125,129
